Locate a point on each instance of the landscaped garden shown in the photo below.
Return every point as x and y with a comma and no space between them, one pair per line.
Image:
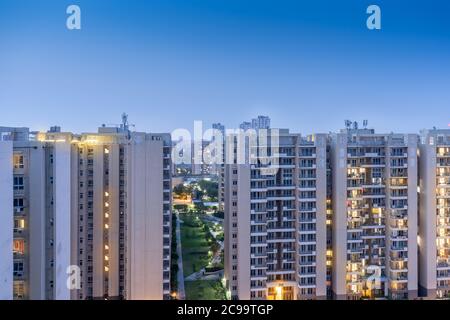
205,290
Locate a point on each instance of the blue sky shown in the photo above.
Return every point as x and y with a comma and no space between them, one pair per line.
307,64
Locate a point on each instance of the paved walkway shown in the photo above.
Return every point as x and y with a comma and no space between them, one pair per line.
180,275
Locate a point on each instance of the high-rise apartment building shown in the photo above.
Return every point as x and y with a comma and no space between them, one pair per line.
275,217
6,214
374,205
261,122
123,214
434,214
39,212
245,125
219,138
97,206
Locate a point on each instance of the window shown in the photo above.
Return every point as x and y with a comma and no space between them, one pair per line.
19,248
18,204
18,183
18,269
18,161
19,289
19,224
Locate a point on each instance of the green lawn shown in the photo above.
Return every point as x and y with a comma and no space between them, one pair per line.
194,245
204,290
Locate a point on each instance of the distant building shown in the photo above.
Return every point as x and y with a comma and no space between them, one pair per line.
245,125
261,122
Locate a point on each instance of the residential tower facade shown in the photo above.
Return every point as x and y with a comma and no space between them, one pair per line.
275,217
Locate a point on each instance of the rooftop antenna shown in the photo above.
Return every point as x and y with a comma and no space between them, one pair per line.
348,124
125,126
125,121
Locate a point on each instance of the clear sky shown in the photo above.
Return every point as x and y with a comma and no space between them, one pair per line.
307,64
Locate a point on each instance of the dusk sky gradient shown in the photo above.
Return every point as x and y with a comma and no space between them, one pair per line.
307,64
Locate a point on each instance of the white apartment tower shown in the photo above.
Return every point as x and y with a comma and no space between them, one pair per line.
374,203
98,203
275,218
39,212
434,214
6,214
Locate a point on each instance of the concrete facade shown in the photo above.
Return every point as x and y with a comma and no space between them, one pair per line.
434,214
374,228
87,202
275,218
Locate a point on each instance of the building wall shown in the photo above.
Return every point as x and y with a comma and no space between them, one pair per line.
62,213
321,216
237,230
339,238
413,170
434,235
145,218
427,219
6,218
243,232
36,199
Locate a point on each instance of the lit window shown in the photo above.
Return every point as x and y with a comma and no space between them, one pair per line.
18,289
19,224
18,161
19,246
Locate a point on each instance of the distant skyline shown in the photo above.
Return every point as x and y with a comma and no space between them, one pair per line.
308,65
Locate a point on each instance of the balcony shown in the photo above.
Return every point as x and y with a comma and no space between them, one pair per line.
443,264
398,247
